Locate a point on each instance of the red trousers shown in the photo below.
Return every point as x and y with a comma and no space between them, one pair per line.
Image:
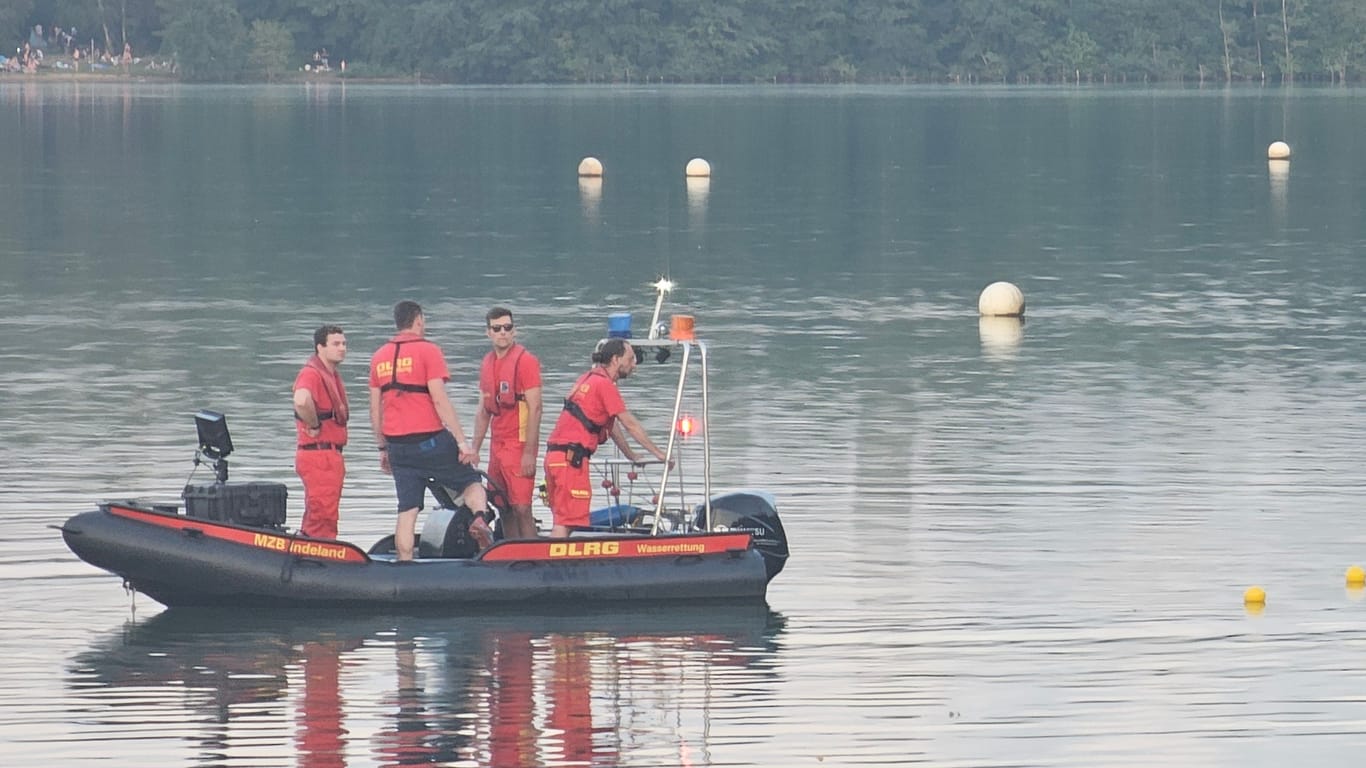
505,461
322,473
569,490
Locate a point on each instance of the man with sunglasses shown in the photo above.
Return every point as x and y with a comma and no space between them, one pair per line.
510,403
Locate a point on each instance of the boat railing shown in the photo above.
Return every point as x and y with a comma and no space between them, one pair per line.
673,452
668,508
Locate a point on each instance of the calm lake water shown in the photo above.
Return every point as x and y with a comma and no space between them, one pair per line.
1011,545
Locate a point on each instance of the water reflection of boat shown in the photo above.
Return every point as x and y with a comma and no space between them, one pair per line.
228,546
489,690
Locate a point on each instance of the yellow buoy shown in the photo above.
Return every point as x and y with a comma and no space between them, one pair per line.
590,166
1001,299
1278,150
1356,576
697,167
1254,596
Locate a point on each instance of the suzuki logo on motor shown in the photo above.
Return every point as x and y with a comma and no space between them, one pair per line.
585,549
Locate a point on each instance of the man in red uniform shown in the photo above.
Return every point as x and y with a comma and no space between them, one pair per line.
593,411
320,415
510,400
420,437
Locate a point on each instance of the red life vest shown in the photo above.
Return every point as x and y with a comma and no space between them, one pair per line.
335,392
579,429
491,380
393,382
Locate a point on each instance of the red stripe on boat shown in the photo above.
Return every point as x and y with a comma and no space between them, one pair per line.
338,551
610,548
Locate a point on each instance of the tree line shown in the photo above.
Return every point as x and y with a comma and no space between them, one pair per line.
733,41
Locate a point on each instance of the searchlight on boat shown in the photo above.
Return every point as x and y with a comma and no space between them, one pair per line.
619,325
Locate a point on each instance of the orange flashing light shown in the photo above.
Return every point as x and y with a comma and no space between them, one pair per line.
681,328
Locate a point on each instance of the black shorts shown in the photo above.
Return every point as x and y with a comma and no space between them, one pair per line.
436,459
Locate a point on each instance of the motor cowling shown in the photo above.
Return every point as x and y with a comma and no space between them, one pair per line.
446,534
756,513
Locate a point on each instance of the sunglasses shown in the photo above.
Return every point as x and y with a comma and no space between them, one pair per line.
504,327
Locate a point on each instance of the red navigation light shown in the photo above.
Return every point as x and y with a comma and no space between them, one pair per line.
686,425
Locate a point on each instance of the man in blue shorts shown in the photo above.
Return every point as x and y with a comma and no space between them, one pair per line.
420,437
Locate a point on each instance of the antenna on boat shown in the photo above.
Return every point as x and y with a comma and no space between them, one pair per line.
662,288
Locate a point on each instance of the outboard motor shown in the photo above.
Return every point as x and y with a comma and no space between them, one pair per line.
447,531
447,534
755,512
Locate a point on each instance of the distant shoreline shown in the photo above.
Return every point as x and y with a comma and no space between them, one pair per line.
144,75
66,76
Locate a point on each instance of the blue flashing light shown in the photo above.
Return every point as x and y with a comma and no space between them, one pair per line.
619,325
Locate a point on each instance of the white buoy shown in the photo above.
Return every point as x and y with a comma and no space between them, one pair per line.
697,167
1001,299
590,166
1278,150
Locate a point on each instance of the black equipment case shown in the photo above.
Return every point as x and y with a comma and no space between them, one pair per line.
260,505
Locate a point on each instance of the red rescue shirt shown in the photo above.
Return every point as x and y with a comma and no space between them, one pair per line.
597,396
411,360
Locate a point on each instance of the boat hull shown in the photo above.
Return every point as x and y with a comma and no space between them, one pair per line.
182,561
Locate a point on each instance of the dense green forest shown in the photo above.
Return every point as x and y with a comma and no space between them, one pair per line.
731,41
